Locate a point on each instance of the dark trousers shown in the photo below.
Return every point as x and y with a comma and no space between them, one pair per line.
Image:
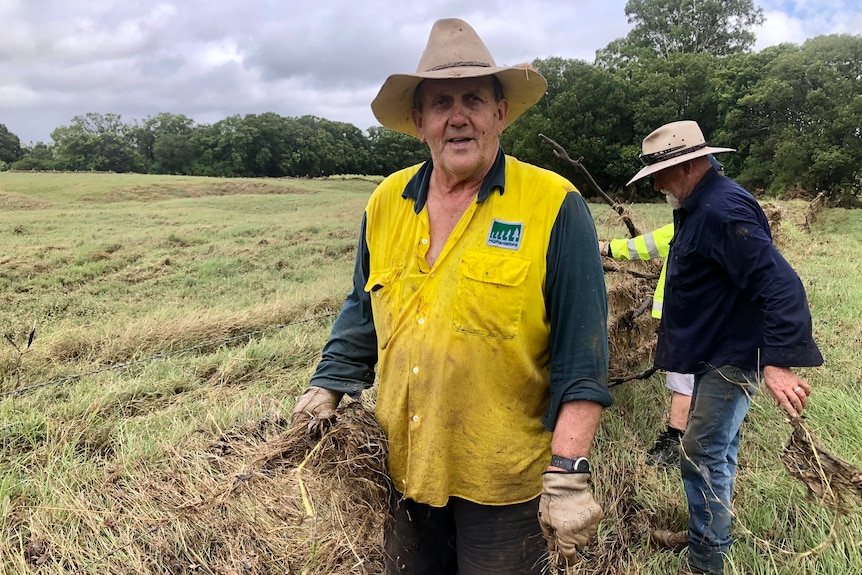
463,538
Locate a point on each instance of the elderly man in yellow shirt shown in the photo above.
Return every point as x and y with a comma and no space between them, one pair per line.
478,296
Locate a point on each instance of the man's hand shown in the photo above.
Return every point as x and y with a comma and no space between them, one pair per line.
316,403
787,389
605,248
568,513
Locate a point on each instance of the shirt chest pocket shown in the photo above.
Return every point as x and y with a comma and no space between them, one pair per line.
384,288
489,295
684,265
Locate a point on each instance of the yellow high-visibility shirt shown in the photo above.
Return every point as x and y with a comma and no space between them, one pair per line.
655,244
463,346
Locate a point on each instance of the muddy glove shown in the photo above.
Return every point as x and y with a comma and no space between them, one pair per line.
604,248
316,403
568,514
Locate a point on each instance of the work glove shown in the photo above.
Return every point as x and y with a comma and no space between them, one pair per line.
568,513
315,405
605,248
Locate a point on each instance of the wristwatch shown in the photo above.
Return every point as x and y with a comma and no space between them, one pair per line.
579,465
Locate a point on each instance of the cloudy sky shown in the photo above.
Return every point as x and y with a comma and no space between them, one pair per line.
209,59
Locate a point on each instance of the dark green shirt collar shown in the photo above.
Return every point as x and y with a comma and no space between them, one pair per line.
417,188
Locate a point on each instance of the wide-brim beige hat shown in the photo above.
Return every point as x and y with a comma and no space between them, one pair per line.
454,50
673,144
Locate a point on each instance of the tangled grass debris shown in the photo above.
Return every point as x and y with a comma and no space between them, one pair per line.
833,481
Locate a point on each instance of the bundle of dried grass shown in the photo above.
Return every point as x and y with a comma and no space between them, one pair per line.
303,501
631,327
348,454
341,478
814,208
831,479
775,214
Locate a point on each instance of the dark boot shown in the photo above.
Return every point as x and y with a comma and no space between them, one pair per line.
666,448
673,540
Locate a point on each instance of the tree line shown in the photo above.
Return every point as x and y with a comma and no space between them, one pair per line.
793,113
255,145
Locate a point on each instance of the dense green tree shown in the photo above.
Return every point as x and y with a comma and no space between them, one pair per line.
587,110
311,148
10,147
356,151
266,144
37,157
271,145
219,149
390,151
173,154
164,143
319,147
802,122
734,78
665,27
115,153
75,147
96,142
668,89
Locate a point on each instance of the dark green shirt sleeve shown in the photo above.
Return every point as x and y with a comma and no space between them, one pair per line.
577,306
350,355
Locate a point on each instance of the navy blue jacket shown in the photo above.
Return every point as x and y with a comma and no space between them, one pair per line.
730,296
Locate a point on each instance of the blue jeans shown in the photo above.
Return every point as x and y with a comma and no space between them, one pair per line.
708,460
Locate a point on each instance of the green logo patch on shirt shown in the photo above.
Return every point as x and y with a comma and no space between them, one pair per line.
505,234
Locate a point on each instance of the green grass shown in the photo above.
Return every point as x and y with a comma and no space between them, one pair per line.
148,286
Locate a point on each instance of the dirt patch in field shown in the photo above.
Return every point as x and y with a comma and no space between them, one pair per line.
158,192
19,202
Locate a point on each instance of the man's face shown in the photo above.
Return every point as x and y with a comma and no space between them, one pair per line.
460,121
670,182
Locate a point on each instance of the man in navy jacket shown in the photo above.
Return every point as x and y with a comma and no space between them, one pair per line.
735,315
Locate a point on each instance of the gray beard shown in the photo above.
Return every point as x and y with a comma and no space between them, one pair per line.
672,201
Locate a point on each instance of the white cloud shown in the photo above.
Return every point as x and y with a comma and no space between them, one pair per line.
797,20
778,28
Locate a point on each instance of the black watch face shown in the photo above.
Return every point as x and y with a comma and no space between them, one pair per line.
581,465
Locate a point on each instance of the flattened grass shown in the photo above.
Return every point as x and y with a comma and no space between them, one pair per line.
179,318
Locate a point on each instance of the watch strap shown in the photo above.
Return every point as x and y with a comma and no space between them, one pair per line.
577,465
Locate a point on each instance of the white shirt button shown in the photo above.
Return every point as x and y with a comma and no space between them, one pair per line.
415,418
421,321
415,370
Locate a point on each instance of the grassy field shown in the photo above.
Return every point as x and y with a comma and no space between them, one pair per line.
175,320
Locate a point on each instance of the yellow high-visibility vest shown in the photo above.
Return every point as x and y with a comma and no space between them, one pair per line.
655,244
464,374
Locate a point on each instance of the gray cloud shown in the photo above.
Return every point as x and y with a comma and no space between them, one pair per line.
210,59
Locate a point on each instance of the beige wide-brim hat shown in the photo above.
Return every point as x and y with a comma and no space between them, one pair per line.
673,144
454,50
